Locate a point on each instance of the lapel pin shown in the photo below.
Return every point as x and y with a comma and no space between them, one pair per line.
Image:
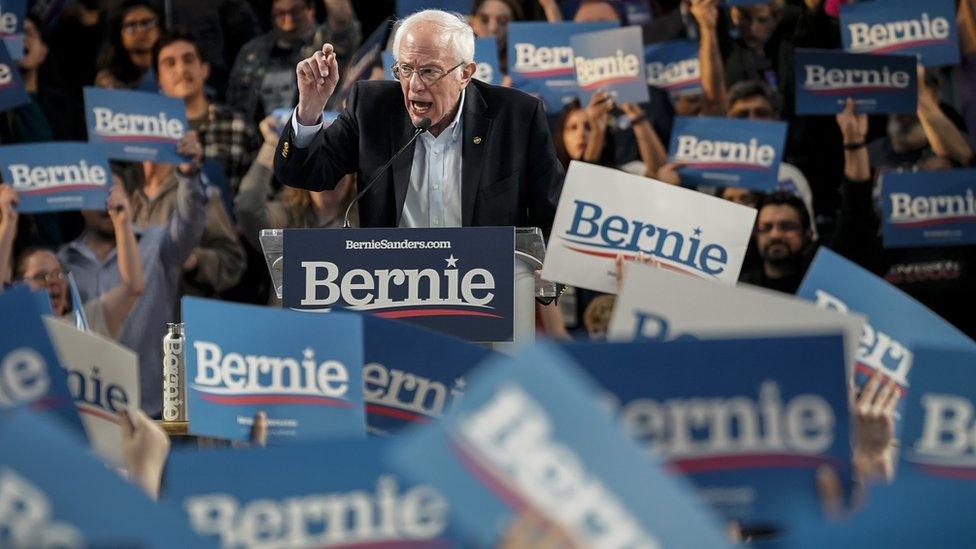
284,150
477,140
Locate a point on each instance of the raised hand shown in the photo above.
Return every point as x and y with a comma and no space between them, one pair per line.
317,79
853,126
705,13
118,205
189,148
8,205
874,426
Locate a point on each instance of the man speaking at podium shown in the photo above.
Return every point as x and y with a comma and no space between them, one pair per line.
470,154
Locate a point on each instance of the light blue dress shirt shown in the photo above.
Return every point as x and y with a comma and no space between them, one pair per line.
434,196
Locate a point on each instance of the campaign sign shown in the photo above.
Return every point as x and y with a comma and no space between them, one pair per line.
103,378
928,208
485,57
906,27
52,177
610,60
878,83
727,152
135,125
674,67
315,494
12,92
540,60
407,7
459,281
530,439
657,305
54,493
760,430
896,322
30,373
12,14
304,371
412,375
604,213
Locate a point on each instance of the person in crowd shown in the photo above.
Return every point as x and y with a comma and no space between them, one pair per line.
126,60
266,64
217,262
491,18
75,43
783,237
41,269
755,55
94,260
225,134
502,169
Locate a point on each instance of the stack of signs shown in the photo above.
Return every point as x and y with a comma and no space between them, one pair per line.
485,57
458,281
12,14
750,436
55,494
304,371
30,374
103,378
412,375
896,322
604,213
928,208
325,494
51,177
929,503
878,83
907,27
540,60
12,92
610,61
674,67
655,305
530,440
727,152
135,125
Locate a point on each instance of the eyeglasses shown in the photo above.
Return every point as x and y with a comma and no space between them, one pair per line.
42,279
139,24
783,226
428,75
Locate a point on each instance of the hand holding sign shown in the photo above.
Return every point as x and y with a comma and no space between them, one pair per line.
853,126
317,79
145,448
8,206
190,149
874,427
705,13
119,209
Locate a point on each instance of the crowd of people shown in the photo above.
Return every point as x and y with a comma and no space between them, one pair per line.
166,233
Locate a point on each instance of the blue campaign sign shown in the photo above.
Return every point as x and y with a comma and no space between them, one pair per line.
406,7
412,375
928,208
135,125
897,324
51,177
530,439
316,494
12,92
878,83
540,60
747,437
361,64
727,152
907,27
610,60
30,372
459,281
485,57
12,14
304,371
55,493
674,67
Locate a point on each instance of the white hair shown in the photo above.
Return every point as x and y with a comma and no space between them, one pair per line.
454,28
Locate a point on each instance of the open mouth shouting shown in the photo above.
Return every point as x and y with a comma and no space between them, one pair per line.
421,108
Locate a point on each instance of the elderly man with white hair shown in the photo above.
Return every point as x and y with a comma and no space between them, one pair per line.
484,155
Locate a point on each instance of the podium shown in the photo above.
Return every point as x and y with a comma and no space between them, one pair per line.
529,253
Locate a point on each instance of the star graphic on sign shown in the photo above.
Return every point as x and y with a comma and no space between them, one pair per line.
697,231
451,261
309,353
459,383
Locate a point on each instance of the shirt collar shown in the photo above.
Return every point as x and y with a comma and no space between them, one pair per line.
455,127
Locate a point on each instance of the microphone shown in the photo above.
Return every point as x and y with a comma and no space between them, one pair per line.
420,128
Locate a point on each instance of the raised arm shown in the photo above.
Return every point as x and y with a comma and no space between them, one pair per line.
187,223
710,63
552,11
118,301
8,231
597,113
254,211
651,150
944,137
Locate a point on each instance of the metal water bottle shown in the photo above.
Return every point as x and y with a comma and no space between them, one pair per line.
174,374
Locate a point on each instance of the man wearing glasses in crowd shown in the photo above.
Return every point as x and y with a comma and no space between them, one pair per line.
486,159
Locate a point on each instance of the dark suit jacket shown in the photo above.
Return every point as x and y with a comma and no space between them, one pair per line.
509,171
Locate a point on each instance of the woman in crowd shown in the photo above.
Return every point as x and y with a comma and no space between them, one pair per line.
491,18
126,61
